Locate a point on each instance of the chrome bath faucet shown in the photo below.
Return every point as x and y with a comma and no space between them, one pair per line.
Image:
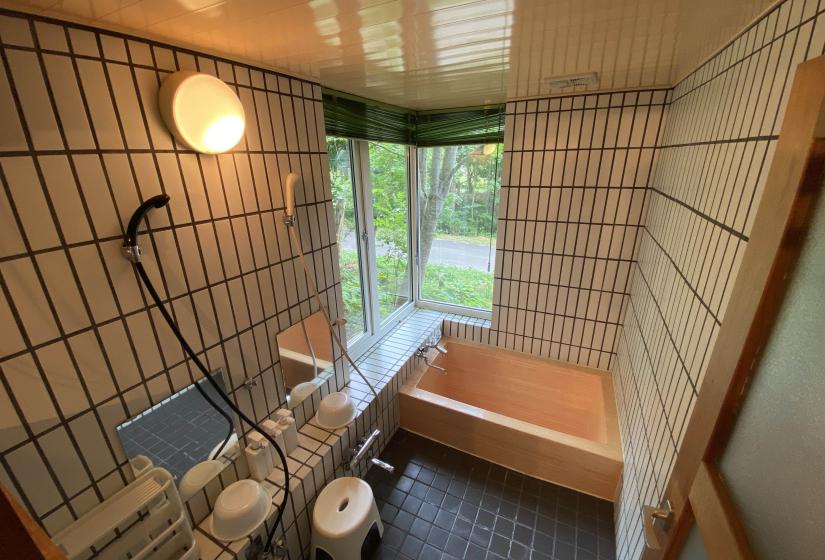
422,353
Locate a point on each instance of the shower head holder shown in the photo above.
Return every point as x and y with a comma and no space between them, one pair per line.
131,249
131,253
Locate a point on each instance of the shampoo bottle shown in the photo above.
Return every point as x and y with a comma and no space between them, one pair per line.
256,438
290,432
257,457
271,428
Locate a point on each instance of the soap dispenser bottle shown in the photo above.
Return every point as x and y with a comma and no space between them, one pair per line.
290,432
271,427
258,459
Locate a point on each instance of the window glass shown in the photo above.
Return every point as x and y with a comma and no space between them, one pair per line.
346,223
457,213
390,217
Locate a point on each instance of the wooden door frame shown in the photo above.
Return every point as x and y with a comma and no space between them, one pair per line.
695,488
20,536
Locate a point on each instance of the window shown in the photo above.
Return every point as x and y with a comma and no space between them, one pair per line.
458,189
371,201
452,199
389,186
348,231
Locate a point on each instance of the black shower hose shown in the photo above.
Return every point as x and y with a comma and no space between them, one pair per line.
191,353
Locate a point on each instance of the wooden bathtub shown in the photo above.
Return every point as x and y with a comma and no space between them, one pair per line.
553,421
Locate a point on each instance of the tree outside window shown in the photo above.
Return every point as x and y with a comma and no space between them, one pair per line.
458,201
458,190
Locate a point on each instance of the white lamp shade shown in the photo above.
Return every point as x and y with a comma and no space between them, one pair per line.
201,111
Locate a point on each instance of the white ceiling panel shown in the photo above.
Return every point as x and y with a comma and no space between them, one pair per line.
436,53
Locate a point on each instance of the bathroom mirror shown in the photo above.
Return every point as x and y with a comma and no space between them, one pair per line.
185,435
306,357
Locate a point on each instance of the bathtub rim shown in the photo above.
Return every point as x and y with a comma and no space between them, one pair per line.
611,449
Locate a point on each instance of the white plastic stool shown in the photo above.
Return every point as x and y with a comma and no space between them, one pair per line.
345,521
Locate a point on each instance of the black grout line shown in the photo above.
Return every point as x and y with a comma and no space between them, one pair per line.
59,486
117,151
127,38
695,261
599,223
634,122
255,220
443,500
707,263
516,263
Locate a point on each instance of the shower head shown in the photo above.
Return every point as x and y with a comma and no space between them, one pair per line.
293,182
130,247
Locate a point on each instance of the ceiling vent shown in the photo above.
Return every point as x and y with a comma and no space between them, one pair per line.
573,80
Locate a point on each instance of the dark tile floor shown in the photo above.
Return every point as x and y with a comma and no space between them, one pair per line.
441,503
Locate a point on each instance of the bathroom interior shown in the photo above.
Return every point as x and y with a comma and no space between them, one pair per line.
344,279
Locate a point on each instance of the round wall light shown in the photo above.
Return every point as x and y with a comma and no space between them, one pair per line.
201,111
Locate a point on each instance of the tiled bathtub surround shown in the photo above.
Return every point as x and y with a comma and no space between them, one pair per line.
715,153
82,350
574,179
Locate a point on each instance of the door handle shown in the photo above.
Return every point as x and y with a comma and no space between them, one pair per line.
650,514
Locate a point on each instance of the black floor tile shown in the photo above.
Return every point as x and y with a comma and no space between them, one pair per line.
504,527
438,537
442,503
412,546
500,545
428,512
456,546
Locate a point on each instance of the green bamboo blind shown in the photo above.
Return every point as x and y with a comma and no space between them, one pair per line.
356,117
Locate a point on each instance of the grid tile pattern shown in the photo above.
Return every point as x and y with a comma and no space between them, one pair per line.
83,350
714,156
574,180
442,503
179,432
468,328
322,453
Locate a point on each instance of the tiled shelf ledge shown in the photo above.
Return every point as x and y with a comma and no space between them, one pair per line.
320,457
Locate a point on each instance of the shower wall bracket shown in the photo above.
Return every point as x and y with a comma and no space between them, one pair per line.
131,252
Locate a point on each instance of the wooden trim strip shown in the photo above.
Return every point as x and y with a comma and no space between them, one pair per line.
715,514
20,537
773,296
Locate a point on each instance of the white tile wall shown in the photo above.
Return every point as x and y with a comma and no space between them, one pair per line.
82,350
322,453
715,152
575,177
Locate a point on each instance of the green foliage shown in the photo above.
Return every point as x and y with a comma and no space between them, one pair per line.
390,200
340,174
351,290
443,282
458,285
390,217
390,268
468,213
469,207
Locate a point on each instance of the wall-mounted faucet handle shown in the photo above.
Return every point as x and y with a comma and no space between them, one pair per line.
382,465
427,346
250,383
422,353
357,453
